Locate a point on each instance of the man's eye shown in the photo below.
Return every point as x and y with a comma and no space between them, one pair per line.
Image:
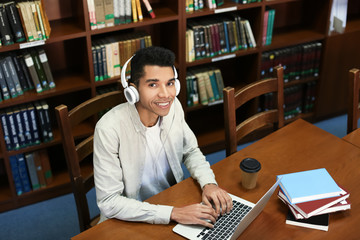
170,83
152,85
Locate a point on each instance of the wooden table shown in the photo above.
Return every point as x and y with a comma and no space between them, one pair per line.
353,137
296,147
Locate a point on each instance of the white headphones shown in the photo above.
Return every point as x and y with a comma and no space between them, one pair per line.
131,93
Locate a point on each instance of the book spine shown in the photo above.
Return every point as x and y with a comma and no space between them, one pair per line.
92,17
46,167
45,109
6,35
41,122
109,13
36,21
8,78
14,75
19,128
34,77
16,174
23,172
99,13
139,11
25,71
149,8
27,129
3,86
19,72
128,11
33,123
13,131
133,10
15,23
6,130
32,171
39,69
122,11
45,63
39,169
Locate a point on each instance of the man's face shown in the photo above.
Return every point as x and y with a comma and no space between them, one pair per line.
157,92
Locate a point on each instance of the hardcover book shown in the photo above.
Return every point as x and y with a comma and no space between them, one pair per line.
309,185
320,222
316,207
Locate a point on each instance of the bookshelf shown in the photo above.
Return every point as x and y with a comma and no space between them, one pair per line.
70,58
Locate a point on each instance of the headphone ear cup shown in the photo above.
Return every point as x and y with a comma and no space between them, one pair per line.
131,94
177,86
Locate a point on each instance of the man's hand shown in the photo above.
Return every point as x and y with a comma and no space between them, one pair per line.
219,197
194,214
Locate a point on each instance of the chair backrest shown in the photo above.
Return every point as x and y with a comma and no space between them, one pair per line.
353,101
234,132
75,152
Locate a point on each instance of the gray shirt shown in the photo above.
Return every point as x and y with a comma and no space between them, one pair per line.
119,153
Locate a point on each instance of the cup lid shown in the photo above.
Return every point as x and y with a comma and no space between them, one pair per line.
250,165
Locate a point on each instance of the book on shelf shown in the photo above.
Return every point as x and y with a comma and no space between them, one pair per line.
14,21
23,172
8,78
26,125
41,122
15,144
320,222
29,157
14,75
4,88
265,25
15,174
139,11
32,71
109,13
317,207
46,167
99,13
6,34
45,65
35,132
149,8
92,17
270,26
19,128
45,110
39,169
128,11
24,69
6,130
19,72
309,185
39,69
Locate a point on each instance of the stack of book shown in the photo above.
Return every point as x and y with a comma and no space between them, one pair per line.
311,196
108,13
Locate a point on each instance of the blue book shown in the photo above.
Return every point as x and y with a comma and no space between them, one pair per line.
23,172
309,185
16,175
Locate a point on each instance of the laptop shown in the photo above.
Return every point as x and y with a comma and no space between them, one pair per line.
228,226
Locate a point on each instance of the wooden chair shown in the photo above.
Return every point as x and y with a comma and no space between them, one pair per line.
233,100
82,182
353,107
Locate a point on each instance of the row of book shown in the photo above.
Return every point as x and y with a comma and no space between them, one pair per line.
111,53
30,171
195,5
299,62
311,195
23,21
24,70
26,125
268,26
108,13
214,36
204,86
246,1
297,99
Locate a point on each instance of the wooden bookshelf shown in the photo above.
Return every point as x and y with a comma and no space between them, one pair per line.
70,58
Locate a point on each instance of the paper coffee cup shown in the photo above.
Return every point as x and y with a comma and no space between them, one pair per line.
250,168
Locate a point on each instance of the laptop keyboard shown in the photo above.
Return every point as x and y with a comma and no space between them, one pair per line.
226,224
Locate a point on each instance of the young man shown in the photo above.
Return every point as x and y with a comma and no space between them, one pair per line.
139,147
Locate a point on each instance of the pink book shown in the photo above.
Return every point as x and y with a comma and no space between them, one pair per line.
266,18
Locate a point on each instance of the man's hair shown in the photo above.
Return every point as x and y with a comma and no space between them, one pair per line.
150,56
